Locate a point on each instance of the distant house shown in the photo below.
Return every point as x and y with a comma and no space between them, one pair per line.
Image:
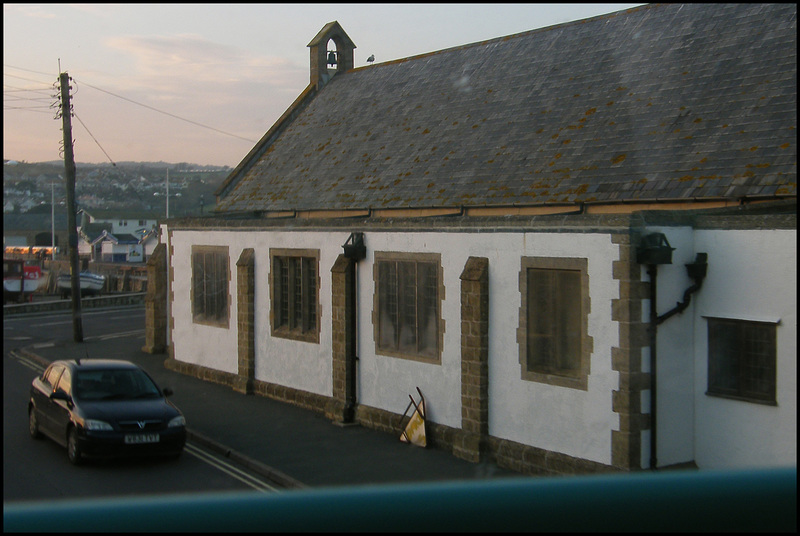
578,242
120,221
114,236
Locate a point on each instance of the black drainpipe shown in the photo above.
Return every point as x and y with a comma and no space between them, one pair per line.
653,251
355,250
652,271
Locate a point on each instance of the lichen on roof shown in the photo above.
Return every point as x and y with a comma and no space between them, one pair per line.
652,103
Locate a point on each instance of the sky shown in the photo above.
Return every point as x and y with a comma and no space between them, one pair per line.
201,83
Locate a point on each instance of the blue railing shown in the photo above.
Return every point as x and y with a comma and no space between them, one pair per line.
764,501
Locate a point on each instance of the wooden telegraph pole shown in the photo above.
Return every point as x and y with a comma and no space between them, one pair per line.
69,168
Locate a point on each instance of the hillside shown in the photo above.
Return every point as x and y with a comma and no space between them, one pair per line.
126,185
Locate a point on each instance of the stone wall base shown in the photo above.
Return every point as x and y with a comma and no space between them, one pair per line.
507,454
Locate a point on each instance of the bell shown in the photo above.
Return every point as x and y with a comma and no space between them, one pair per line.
331,57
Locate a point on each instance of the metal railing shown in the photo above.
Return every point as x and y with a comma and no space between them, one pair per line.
45,304
739,501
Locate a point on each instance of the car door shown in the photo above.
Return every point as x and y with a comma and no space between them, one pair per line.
42,389
61,410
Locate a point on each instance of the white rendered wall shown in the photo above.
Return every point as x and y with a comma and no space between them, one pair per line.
572,421
209,346
674,355
752,275
561,419
299,365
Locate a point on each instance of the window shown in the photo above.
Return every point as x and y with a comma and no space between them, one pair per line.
210,277
295,294
741,360
553,333
50,376
409,291
65,383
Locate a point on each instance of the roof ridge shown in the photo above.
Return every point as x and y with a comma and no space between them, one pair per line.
509,37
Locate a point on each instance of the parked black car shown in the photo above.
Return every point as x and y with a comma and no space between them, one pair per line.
104,408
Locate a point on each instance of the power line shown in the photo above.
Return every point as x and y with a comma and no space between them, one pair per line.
169,114
28,71
129,100
95,139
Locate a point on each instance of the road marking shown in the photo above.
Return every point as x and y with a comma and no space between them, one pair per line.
51,324
27,362
34,367
115,335
229,469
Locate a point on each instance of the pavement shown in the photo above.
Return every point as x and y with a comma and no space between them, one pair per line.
291,446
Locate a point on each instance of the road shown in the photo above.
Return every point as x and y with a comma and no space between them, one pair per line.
39,470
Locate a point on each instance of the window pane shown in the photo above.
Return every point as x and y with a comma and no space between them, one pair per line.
220,287
387,300
197,284
210,285
554,320
723,358
310,290
742,359
568,305
281,293
295,294
65,382
296,306
428,317
407,301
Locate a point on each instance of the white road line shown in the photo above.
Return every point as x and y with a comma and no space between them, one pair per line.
116,335
27,362
32,366
225,467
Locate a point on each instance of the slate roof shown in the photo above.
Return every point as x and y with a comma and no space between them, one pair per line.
34,222
667,102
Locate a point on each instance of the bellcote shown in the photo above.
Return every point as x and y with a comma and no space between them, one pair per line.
331,53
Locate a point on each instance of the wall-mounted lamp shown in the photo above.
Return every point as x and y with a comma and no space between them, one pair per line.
654,249
354,247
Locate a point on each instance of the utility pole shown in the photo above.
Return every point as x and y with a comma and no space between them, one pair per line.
69,168
52,225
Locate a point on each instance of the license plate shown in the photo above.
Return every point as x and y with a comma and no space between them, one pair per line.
135,439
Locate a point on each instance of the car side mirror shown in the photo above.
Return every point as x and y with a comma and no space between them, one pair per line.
60,395
167,391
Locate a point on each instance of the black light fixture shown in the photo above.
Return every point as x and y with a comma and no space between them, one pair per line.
354,247
332,58
654,249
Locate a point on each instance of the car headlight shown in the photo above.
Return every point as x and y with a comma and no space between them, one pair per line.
94,425
177,421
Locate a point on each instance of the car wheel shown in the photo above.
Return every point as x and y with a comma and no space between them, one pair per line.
73,448
33,424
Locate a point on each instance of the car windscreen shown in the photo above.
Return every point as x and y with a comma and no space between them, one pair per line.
119,384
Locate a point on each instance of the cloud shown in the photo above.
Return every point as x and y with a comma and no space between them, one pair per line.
193,58
31,10
187,76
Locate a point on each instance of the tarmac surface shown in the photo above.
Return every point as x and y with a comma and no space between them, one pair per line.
291,446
